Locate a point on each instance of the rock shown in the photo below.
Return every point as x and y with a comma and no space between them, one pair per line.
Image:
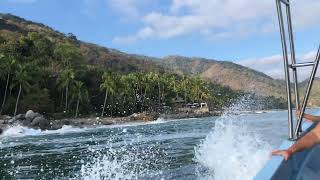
1,131
5,117
11,121
40,122
19,117
55,125
145,116
37,115
26,122
30,115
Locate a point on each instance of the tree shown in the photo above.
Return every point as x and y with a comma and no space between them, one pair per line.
64,81
80,93
69,54
7,63
156,77
182,88
21,79
107,85
4,74
126,96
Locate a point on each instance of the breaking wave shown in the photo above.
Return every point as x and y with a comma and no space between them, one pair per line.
20,131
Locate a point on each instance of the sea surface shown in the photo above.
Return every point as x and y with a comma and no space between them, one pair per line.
234,146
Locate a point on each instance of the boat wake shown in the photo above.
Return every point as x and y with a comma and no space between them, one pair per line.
232,150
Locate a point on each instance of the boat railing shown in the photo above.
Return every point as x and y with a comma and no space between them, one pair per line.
293,65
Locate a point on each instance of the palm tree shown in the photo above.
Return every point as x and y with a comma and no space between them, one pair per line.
107,85
145,82
21,79
133,82
169,87
80,94
6,66
64,81
126,93
153,82
183,87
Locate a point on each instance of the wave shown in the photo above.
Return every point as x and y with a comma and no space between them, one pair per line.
21,131
231,151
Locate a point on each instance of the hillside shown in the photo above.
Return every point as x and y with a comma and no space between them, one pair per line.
225,73
314,99
228,74
13,26
222,72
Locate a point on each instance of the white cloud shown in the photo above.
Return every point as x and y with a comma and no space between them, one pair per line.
217,18
142,34
274,67
129,9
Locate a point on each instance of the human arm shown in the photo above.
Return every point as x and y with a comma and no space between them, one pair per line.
310,139
308,116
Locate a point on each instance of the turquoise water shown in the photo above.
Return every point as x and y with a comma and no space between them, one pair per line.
205,148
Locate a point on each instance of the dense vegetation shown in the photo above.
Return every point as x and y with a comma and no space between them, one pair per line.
50,75
53,73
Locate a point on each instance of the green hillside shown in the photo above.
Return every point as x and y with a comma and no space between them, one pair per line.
51,72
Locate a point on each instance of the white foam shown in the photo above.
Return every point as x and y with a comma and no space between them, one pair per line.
119,164
158,121
105,168
21,131
231,151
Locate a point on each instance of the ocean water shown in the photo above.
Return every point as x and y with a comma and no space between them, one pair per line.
233,146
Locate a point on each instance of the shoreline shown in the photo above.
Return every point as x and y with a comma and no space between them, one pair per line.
55,124
45,123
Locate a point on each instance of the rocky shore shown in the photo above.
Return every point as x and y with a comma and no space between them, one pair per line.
38,121
190,115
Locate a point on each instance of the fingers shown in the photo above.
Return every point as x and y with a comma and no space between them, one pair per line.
281,153
275,152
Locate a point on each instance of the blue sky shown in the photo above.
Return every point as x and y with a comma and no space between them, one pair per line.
242,31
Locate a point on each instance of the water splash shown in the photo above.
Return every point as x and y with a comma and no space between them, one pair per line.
21,131
232,150
106,167
122,163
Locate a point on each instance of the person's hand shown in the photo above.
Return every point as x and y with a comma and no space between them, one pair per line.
298,112
285,153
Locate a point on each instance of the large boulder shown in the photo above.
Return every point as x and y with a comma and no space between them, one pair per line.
40,122
30,115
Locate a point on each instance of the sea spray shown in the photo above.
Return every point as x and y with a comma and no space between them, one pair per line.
122,163
232,151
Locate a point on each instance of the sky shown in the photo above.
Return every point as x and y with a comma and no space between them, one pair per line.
242,31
